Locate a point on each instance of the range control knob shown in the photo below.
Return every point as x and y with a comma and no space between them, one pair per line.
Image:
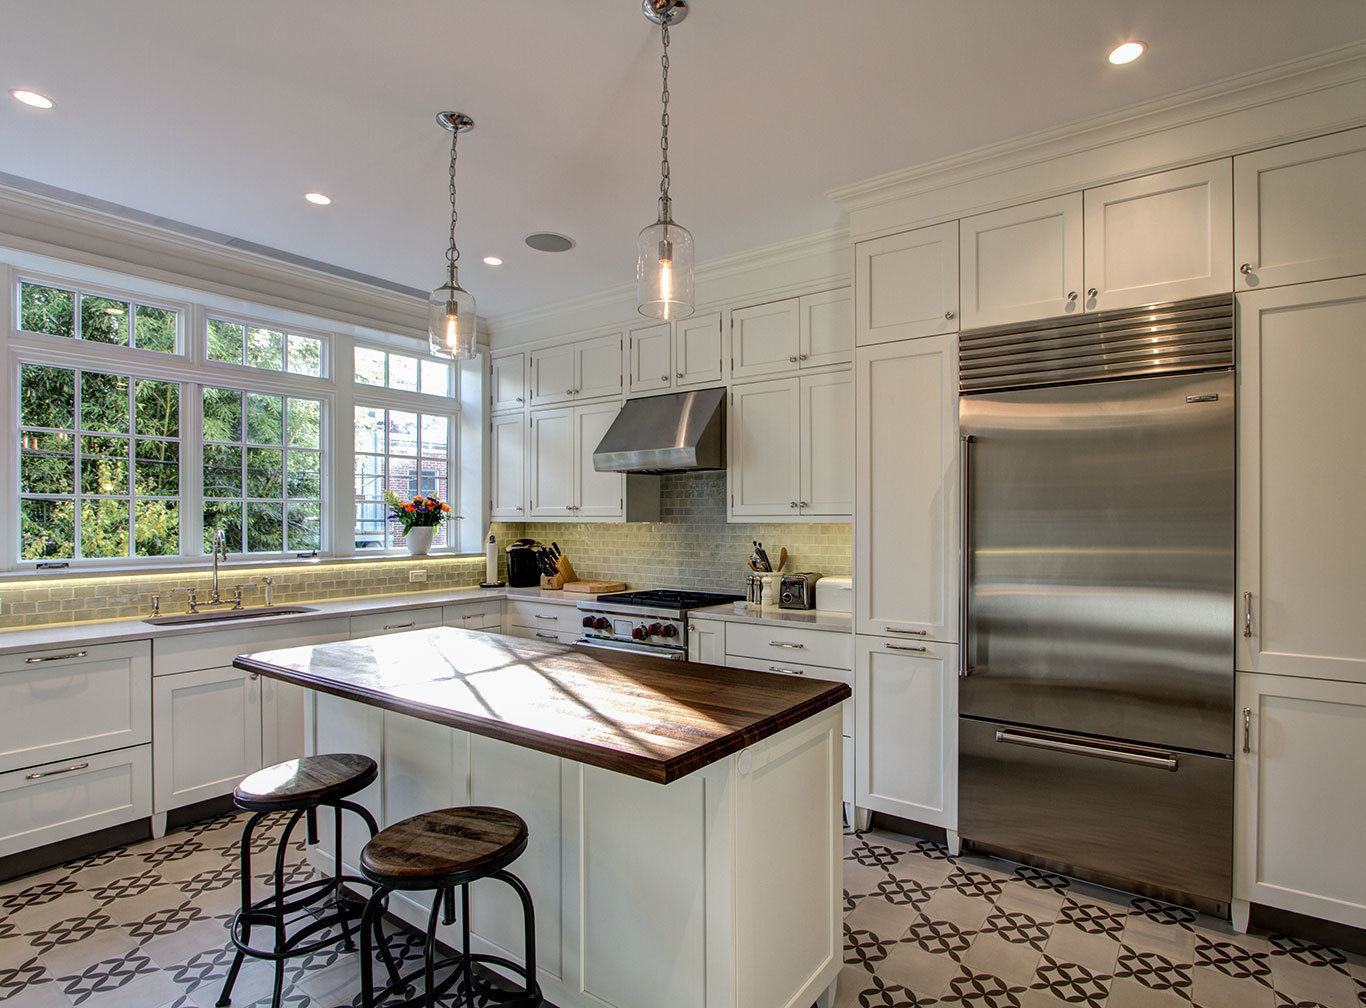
670,630
603,623
589,623
638,632
655,630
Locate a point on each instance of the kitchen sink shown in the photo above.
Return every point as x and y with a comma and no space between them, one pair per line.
227,615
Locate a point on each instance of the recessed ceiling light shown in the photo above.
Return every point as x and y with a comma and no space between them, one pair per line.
321,199
1126,52
493,261
549,241
33,98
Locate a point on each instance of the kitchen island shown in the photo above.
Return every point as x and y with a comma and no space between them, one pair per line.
685,831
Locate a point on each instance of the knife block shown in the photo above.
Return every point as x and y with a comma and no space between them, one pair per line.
564,571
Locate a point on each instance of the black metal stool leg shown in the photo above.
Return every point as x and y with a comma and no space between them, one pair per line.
281,852
466,967
369,923
245,861
529,919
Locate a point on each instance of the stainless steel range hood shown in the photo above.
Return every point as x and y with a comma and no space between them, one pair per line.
676,432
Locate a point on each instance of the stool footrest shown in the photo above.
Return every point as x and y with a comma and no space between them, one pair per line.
489,993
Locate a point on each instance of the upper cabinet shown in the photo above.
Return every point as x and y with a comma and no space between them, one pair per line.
650,360
585,369
675,355
507,467
785,336
507,382
907,285
563,482
1299,211
1022,263
1158,238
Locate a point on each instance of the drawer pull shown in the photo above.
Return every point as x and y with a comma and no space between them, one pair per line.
547,636
54,773
398,626
55,657
903,647
778,643
915,633
555,619
786,671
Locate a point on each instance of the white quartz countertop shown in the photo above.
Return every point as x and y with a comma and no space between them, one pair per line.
113,631
812,619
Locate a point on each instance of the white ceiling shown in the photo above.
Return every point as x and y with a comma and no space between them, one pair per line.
221,115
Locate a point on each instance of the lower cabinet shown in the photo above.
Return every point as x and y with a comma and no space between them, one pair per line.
707,641
486,615
1300,814
906,727
207,730
396,621
56,801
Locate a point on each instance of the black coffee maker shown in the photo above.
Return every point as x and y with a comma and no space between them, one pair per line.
524,565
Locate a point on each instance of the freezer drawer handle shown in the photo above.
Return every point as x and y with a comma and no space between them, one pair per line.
1117,754
903,647
55,657
53,773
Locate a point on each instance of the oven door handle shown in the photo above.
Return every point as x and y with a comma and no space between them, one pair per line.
631,649
1106,751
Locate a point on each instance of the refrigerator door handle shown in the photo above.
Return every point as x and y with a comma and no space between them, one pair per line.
1120,754
965,560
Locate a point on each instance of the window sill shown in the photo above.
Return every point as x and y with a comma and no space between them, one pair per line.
238,564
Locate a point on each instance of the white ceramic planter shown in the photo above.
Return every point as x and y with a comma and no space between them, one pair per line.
420,540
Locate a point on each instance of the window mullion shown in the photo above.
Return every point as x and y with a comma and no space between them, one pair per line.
191,470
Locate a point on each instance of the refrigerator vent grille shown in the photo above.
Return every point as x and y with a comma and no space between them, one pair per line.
1178,338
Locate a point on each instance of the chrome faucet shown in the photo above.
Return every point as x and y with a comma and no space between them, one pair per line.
220,548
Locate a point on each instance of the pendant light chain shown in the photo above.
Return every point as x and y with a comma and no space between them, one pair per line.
453,253
665,211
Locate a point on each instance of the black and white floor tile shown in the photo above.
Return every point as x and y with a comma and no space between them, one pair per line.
144,927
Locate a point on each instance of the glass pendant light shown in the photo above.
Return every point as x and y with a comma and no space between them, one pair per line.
664,253
450,309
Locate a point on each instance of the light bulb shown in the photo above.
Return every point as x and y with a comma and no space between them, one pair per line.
452,326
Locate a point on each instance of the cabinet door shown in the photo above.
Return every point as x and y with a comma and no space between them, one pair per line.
551,463
650,352
1023,262
1302,480
507,382
827,328
1298,212
763,339
906,730
765,461
827,408
597,494
698,358
598,367
1158,238
906,285
552,375
906,492
1299,817
207,727
507,468
707,641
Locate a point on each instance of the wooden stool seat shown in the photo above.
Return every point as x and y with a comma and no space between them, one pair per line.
447,847
310,780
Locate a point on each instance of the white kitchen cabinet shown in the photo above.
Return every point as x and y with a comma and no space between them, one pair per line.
826,488
781,337
699,357
484,615
282,721
906,285
597,494
507,382
706,641
1299,817
57,801
1022,262
906,508
583,369
396,621
1302,480
551,375
826,333
564,483
649,352
507,467
207,730
906,729
1298,211
1158,238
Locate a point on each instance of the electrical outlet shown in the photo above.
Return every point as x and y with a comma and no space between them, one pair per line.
417,575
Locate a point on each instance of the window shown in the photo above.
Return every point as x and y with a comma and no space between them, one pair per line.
407,453
401,372
262,471
233,342
99,468
98,319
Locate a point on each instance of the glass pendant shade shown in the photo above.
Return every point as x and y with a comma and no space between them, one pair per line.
664,288
451,322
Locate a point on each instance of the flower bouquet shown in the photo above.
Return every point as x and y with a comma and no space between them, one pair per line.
419,518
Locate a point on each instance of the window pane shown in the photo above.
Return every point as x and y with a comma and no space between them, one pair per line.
104,320
370,477
47,310
156,408
265,419
370,522
47,397
47,464
48,529
265,472
369,430
265,528
222,415
431,480
225,516
157,528
402,433
435,433
436,378
222,471
402,372
303,531
104,402
104,466
104,528
225,341
305,423
402,479
304,475
154,328
156,469
369,366
266,349
305,355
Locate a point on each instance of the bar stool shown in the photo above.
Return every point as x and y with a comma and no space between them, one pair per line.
301,787
441,851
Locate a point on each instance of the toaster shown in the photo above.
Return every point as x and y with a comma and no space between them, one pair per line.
798,591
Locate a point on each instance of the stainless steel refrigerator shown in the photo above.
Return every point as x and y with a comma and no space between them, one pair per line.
1096,681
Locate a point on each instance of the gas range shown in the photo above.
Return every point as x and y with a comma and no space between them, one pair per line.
653,622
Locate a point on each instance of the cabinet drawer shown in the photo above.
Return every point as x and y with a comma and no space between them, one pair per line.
57,801
215,648
830,649
376,624
781,667
59,703
475,615
543,616
550,636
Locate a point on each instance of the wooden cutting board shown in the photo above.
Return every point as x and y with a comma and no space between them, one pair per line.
594,587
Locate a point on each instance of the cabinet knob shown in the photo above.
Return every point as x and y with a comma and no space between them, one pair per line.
949,315
520,508
679,375
792,504
1092,292
793,359
665,377
1245,269
519,399
1071,295
802,504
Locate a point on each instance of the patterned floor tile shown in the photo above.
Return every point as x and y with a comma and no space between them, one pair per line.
1095,952
1214,988
1015,963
